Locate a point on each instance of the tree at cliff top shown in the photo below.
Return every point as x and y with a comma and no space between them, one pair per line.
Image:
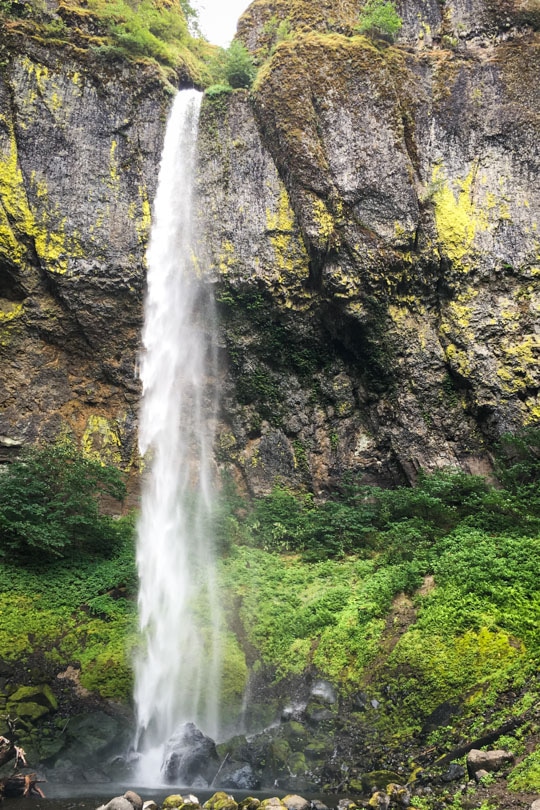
233,66
50,503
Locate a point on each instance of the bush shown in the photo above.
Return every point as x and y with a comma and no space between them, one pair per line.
50,503
234,66
379,18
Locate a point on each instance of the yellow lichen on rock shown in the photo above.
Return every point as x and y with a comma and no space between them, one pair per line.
519,370
456,217
10,314
18,221
101,440
280,225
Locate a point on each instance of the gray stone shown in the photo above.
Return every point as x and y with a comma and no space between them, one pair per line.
488,761
134,799
118,803
190,755
294,802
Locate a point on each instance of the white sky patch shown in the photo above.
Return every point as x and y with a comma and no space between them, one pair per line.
218,19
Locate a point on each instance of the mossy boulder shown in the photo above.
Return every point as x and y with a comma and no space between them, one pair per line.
174,800
221,801
378,780
30,703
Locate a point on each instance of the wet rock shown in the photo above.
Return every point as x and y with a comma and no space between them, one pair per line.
489,761
243,778
190,755
324,692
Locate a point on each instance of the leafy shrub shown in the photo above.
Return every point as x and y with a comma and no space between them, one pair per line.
50,503
233,66
379,18
526,776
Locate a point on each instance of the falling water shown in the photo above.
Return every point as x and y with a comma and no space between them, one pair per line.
177,671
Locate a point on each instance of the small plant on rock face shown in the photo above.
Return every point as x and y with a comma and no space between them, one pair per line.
379,18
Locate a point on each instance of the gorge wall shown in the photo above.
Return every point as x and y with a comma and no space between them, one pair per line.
368,214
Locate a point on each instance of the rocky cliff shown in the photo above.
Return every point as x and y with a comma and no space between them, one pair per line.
79,144
374,226
369,214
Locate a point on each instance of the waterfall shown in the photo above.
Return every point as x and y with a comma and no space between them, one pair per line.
177,668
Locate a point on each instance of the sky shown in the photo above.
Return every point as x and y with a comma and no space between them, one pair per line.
218,18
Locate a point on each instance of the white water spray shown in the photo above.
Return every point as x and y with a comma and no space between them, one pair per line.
177,670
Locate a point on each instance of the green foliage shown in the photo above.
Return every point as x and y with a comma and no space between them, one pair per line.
526,776
143,29
314,584
233,66
50,503
218,90
276,31
379,18
84,613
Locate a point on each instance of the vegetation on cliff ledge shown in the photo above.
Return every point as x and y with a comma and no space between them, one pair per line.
163,34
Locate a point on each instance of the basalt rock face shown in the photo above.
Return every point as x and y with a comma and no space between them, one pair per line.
79,149
371,214
368,214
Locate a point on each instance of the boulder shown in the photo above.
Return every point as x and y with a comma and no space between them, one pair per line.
324,692
178,801
174,800
221,801
489,761
380,799
378,780
134,799
249,803
294,802
535,805
29,703
190,757
453,773
240,778
118,803
399,795
347,804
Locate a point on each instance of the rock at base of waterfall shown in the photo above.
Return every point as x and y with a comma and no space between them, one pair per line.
190,757
243,778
